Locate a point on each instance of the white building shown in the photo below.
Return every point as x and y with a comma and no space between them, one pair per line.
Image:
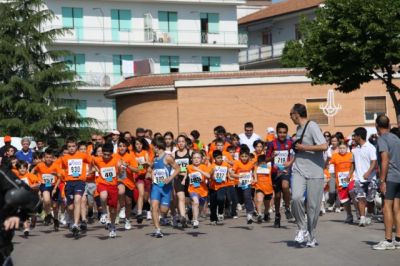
176,35
251,6
270,28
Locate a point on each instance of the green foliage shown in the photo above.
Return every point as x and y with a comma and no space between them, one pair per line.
293,54
32,78
351,42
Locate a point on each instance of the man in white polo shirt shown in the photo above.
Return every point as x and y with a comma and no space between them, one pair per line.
248,137
364,164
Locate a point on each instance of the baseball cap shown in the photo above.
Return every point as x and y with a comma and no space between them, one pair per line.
270,130
115,132
7,138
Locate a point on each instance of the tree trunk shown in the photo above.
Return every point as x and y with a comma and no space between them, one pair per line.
396,102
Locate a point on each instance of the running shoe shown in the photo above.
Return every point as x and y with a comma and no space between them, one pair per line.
183,222
139,218
235,217
368,220
267,217
239,207
47,219
26,232
121,214
330,209
75,230
396,244
312,243
259,219
158,233
289,215
213,223
164,221
337,210
175,221
249,218
128,225
112,234
148,216
277,222
56,224
362,221
103,218
384,245
83,225
108,224
195,224
349,219
220,217
301,236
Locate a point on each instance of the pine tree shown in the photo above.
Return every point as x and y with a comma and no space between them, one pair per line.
33,80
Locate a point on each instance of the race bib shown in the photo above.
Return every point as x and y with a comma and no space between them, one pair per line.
122,173
195,179
140,160
220,173
342,176
159,175
183,163
108,173
281,157
75,167
263,170
48,179
245,179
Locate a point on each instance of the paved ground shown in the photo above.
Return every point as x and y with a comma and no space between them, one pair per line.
234,243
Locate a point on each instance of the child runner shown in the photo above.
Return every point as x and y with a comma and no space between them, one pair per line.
242,170
49,176
161,174
197,174
263,187
108,167
342,162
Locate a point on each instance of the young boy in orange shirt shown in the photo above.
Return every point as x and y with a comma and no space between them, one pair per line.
263,187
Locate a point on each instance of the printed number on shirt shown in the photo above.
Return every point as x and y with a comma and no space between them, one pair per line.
245,179
195,177
263,170
159,175
108,172
220,173
342,176
48,178
281,157
140,160
75,167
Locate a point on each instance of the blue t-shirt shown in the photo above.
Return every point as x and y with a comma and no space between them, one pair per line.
27,157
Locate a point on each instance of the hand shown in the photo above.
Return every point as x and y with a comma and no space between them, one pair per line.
11,223
53,192
286,164
383,187
300,147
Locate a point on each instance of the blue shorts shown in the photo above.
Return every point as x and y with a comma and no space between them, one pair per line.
161,194
202,201
56,196
73,188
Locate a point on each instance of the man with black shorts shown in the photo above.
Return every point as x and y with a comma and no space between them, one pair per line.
389,152
280,154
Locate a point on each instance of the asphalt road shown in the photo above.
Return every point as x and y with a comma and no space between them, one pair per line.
234,243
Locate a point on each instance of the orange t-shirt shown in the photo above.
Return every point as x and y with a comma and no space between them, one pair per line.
342,165
74,166
47,174
264,181
29,178
108,171
195,177
245,170
128,180
220,172
141,159
213,147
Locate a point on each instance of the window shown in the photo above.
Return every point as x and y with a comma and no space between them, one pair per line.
211,63
72,18
117,63
79,105
169,64
315,113
168,25
76,62
121,20
297,33
374,106
267,37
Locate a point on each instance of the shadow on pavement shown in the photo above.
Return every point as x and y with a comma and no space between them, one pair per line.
370,243
271,226
243,227
290,244
141,226
195,234
104,237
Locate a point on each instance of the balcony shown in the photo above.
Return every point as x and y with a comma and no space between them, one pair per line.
218,2
97,80
262,53
153,37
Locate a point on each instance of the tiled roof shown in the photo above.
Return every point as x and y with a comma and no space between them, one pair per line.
281,8
159,80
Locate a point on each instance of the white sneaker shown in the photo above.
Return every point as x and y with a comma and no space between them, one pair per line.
337,210
103,218
235,217
239,207
362,221
311,243
117,220
112,234
368,220
122,213
63,221
396,244
330,209
384,245
128,225
195,224
220,217
148,216
301,236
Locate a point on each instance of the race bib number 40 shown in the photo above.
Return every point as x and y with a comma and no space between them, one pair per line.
281,157
108,173
220,173
75,167
244,179
159,175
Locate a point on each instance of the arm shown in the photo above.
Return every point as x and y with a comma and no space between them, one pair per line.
320,147
204,173
370,169
384,170
174,165
232,173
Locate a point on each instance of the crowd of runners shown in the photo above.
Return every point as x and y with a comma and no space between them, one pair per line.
124,178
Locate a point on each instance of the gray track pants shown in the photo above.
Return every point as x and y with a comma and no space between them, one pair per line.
314,188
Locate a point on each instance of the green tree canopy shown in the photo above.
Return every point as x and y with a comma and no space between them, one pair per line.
352,42
32,78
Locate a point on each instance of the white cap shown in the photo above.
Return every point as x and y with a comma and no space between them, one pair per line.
270,130
115,132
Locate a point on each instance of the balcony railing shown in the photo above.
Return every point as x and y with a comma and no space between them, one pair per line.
97,79
261,53
152,37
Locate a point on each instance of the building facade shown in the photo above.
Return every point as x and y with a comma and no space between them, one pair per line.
171,35
183,102
269,29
